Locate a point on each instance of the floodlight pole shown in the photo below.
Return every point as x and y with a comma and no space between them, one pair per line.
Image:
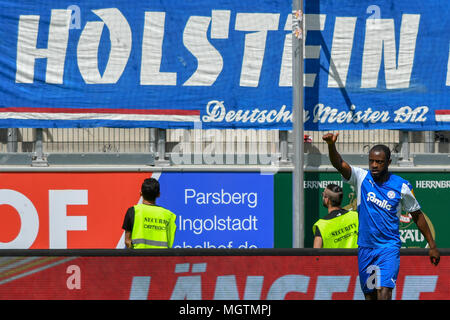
298,221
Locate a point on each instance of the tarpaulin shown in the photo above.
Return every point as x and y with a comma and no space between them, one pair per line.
223,64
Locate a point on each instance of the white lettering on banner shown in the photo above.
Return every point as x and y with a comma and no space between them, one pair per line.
226,288
199,225
412,235
325,114
29,219
313,22
327,285
447,83
414,285
220,24
407,114
87,50
379,42
210,62
209,245
139,288
152,52
255,43
285,79
59,222
217,112
55,53
223,197
288,283
433,184
341,51
189,285
315,184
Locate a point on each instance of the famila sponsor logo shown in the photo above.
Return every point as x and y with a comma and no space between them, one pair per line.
381,203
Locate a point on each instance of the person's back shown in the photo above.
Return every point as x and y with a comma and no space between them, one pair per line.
154,227
147,225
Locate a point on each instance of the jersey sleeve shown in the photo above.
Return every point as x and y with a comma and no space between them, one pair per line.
356,177
409,201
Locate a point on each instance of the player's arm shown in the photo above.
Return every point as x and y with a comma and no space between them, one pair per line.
336,160
422,224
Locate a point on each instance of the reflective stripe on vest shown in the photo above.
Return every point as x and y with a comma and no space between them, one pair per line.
150,242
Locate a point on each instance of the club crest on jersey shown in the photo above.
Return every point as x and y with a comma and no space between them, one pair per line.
391,194
381,203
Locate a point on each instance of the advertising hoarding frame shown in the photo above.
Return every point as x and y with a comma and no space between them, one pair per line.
263,275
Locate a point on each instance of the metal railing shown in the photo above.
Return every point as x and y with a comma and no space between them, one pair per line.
166,145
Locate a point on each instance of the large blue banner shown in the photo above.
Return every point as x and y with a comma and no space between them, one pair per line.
223,64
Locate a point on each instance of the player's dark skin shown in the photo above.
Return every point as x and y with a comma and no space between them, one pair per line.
379,168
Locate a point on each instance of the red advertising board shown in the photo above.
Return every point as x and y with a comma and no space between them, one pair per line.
210,278
66,210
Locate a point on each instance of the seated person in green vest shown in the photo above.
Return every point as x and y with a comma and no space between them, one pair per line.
147,225
338,229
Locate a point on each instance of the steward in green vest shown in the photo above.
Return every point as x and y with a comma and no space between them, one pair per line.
147,225
339,229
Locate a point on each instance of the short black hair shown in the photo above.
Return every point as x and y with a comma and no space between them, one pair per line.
150,189
336,195
384,148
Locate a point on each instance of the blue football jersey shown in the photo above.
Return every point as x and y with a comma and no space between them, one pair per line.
379,207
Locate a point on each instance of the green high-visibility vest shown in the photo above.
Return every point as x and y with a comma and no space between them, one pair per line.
339,232
154,227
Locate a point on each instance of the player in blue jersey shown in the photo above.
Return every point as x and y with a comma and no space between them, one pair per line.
381,197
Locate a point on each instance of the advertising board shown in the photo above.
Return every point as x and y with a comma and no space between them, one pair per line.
65,210
81,210
220,210
210,278
77,210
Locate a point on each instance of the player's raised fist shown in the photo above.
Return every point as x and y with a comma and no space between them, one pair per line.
330,138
